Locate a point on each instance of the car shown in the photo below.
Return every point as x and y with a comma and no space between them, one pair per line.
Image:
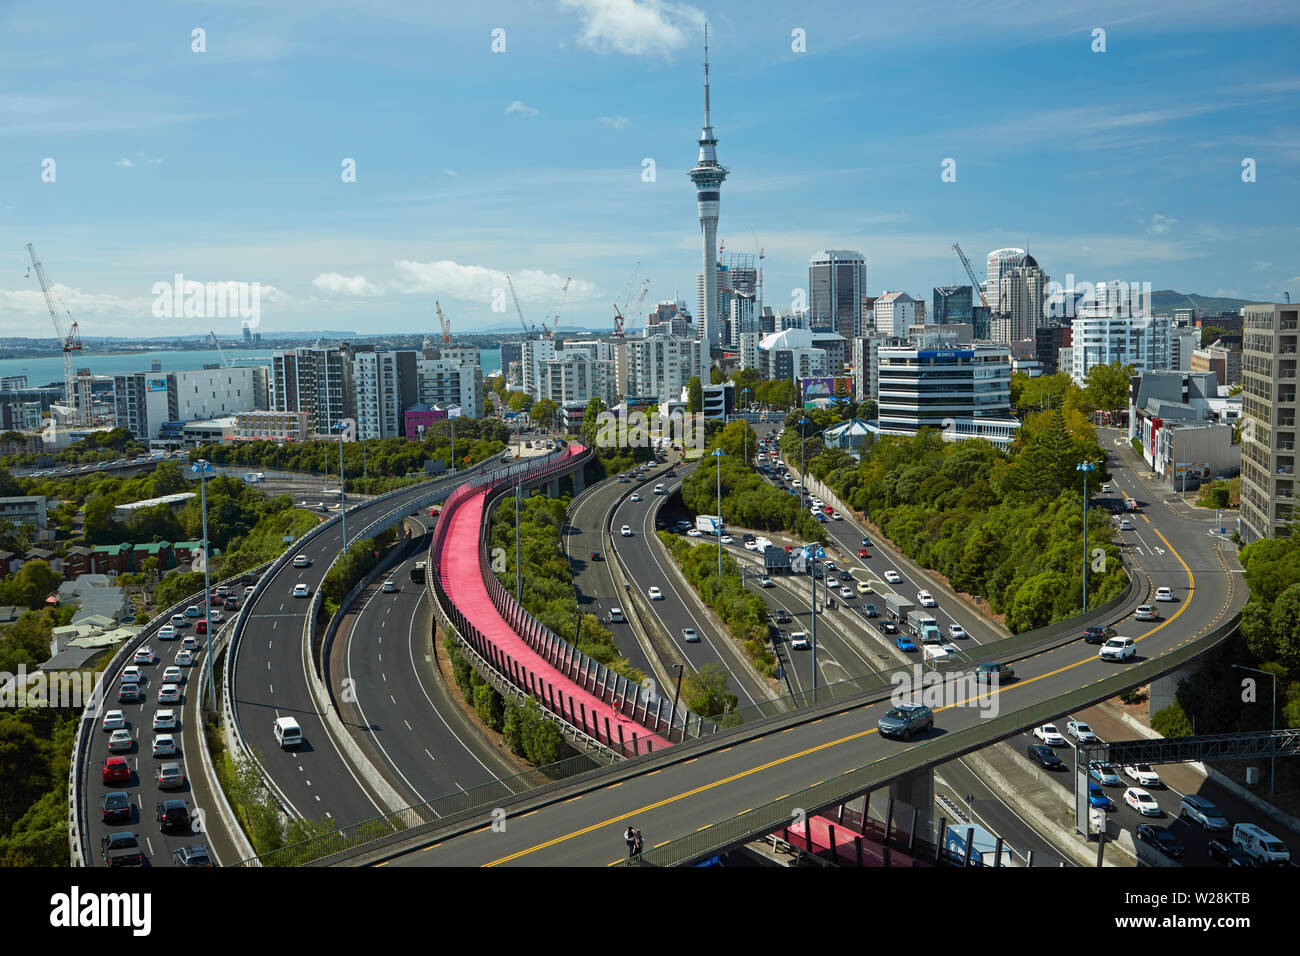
129,693
1118,649
905,720
836,516
113,720
1103,773
1144,612
173,674
179,621
889,627
194,855
184,658
846,593
120,741
695,533
215,616
390,587
232,603
864,587
1164,594
144,656
689,635
121,849
1049,735
726,539
1142,802
765,582
625,531
131,674
164,720
301,590
1097,798
201,627
845,574
248,590
164,745
904,643
1080,731
169,694
116,806
190,643
990,671
748,538
830,565
655,594
1229,853
863,553
596,556
169,776
820,517
1197,809
116,769
192,612
172,814
1161,839
893,577
299,561
781,616
1045,757
167,633
925,599
1095,634
634,497
1143,774
1125,525
799,641
222,590
957,632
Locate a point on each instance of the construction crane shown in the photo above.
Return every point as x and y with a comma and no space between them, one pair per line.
631,306
975,283
761,257
522,321
627,298
549,333
446,326
220,354
1287,297
70,341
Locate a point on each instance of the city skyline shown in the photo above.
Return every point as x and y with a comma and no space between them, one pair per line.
471,164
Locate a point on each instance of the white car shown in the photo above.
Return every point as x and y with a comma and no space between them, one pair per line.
143,656
301,590
131,674
167,632
1103,773
164,720
751,546
1049,735
765,582
635,497
113,720
1125,525
695,533
390,587
301,561
655,594
727,539
169,694
846,593
189,643
120,741
925,599
1117,649
184,658
625,531
799,641
1144,612
1080,731
1164,594
893,577
1142,802
173,675
689,635
164,745
1143,774
957,632
216,615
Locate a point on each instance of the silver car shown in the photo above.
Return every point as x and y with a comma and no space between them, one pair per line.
120,741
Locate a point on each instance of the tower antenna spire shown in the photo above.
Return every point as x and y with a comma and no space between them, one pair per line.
706,75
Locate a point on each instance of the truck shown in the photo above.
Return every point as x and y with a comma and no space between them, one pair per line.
417,572
897,606
709,524
982,845
924,626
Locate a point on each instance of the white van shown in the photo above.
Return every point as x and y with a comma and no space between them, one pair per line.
659,489
254,476
287,732
1260,845
616,615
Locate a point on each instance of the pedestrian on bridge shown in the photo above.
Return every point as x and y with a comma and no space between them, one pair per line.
636,842
629,837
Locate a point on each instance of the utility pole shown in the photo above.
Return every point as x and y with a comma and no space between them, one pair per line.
1085,467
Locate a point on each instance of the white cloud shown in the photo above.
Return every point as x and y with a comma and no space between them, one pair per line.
1263,266
618,122
518,107
635,27
451,172
1226,294
140,160
1161,224
336,284
479,283
125,163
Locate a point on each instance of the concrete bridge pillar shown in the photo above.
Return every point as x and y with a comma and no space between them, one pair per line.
553,488
1164,689
915,791
579,481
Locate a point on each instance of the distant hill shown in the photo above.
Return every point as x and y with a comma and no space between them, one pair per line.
1166,300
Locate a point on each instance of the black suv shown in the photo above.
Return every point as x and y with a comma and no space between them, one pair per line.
1045,757
1160,838
905,720
1229,853
781,616
1095,634
121,849
173,814
116,806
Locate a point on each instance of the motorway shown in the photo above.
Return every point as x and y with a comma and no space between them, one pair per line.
681,795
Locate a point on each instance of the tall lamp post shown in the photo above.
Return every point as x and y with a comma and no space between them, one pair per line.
717,456
340,427
803,473
745,402
204,471
1085,467
813,552
1272,773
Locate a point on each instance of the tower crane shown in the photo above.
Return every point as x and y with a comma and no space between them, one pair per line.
220,354
446,326
761,257
549,333
975,283
618,313
522,321
70,341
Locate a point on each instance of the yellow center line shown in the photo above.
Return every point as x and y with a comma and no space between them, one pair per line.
704,788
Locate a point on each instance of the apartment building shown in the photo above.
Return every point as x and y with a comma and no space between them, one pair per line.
1270,335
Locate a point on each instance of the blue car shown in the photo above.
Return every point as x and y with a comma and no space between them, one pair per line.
870,611
821,518
1097,798
904,643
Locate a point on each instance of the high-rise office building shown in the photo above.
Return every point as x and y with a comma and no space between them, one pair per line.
959,392
534,352
1022,296
837,281
1101,340
316,381
1270,339
997,264
385,387
656,368
952,305
894,312
708,175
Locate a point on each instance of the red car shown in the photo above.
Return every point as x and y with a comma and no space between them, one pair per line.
117,770
863,553
201,627
828,511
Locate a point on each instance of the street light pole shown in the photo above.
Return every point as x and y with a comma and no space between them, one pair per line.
745,402
1272,773
1085,467
803,472
343,495
204,470
717,456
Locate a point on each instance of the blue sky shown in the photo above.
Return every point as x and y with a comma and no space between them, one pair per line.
225,165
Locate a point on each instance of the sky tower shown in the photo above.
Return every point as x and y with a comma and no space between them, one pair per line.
707,177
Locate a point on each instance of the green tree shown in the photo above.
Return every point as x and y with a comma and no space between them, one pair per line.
544,411
1106,387
694,395
715,376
